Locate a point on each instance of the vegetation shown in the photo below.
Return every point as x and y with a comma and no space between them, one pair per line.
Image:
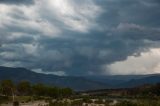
25,88
24,92
7,87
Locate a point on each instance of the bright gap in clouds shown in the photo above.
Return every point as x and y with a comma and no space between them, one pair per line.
145,63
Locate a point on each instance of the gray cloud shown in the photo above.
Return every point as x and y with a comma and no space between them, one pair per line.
17,1
79,41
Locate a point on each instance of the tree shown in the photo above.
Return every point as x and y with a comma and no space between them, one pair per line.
24,88
8,88
0,89
39,90
53,92
66,92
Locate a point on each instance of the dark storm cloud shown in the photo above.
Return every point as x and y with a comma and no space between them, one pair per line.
122,29
17,1
129,11
88,53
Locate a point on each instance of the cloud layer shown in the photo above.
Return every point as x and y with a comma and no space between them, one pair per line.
17,2
146,63
78,37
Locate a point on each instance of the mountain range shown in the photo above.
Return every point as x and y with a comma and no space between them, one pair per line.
77,83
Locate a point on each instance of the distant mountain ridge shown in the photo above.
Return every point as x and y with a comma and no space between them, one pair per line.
78,83
127,81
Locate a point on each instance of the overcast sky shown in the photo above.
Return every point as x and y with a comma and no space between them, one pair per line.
81,37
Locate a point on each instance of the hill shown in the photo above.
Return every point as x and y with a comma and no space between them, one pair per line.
126,81
76,83
79,83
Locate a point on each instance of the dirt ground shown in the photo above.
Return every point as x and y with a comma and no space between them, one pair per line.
37,103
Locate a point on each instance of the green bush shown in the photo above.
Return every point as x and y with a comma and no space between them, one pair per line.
126,103
87,100
99,101
77,103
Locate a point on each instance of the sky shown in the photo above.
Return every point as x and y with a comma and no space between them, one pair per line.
81,37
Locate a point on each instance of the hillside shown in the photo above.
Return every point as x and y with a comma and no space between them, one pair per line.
76,83
126,81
